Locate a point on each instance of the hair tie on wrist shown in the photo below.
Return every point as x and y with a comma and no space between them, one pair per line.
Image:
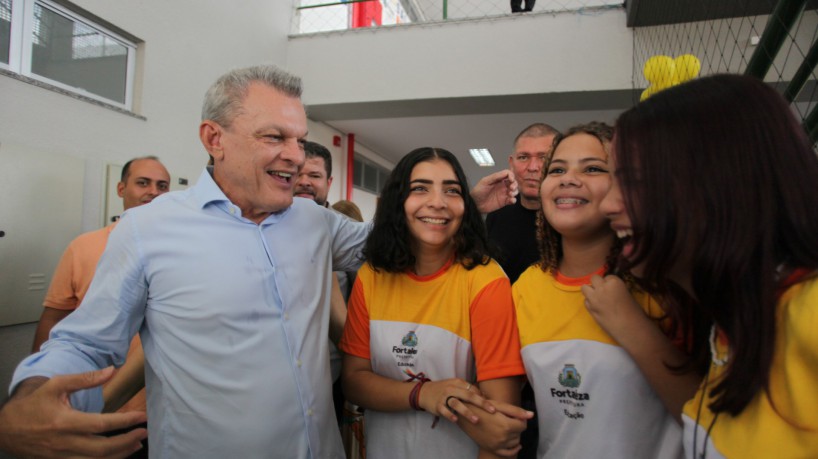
414,396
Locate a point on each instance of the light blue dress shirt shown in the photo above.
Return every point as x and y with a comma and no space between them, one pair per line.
233,318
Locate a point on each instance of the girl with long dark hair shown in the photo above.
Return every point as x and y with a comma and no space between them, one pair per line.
715,201
431,330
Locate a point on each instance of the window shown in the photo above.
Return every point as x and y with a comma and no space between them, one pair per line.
368,176
371,177
5,30
57,43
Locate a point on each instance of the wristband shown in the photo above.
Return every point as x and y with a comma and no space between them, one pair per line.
414,396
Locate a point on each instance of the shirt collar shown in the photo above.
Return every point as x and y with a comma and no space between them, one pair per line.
207,192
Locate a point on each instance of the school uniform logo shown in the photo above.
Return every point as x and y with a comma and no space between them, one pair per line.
410,340
569,376
406,353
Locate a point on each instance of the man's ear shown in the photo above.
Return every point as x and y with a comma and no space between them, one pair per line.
120,189
210,133
329,182
511,162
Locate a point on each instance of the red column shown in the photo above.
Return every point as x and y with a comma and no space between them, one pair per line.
350,164
366,14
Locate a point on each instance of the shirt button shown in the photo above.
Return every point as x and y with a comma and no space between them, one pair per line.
286,316
232,211
298,362
309,412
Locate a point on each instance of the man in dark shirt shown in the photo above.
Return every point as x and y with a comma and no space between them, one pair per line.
513,228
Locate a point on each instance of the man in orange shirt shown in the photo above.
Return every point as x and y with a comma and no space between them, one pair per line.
142,180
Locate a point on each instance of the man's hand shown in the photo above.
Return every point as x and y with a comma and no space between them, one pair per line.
495,191
38,421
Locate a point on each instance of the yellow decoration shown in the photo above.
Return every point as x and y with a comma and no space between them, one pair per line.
653,89
663,72
687,67
659,69
649,91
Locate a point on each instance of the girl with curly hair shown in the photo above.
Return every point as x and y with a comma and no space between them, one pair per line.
592,398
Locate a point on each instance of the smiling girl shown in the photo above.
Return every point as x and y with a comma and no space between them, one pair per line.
715,195
592,399
431,330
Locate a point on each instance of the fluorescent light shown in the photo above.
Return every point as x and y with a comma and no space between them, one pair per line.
482,156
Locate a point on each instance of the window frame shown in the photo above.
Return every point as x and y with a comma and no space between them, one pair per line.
381,175
21,42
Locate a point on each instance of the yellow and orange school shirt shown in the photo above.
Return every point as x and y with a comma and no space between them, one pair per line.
455,323
592,400
781,423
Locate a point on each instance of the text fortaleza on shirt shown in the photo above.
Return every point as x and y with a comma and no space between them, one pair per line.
405,354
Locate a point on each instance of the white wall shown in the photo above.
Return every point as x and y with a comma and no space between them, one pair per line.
323,134
365,201
519,54
40,214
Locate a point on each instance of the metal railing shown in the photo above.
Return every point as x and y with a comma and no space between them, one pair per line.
315,16
781,48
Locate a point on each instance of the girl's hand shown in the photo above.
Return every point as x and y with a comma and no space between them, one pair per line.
449,398
612,306
615,310
498,433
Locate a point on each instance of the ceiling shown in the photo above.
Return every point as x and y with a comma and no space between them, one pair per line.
393,129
